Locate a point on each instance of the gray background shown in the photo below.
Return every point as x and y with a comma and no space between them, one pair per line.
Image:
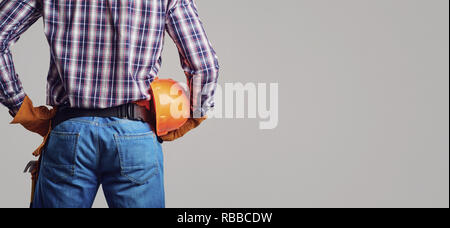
363,103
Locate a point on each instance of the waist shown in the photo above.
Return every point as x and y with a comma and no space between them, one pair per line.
129,111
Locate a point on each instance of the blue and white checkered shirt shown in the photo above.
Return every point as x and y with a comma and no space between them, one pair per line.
105,53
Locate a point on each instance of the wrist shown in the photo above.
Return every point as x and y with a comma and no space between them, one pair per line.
12,113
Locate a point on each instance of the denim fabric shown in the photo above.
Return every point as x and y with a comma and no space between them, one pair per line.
122,155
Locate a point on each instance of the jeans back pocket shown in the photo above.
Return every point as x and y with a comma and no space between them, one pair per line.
59,157
138,155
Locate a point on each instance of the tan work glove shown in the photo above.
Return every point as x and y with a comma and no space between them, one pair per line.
35,119
180,132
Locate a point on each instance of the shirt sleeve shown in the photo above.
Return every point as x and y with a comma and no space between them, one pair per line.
198,59
16,16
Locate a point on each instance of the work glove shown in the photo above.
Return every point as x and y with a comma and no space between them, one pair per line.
190,124
35,119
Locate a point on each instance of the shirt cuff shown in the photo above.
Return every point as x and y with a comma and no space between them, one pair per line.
14,103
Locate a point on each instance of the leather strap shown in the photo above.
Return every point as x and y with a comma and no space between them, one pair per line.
129,111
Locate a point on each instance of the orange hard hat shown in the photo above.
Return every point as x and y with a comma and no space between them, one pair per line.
170,104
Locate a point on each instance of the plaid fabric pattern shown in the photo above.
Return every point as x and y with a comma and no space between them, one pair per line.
105,53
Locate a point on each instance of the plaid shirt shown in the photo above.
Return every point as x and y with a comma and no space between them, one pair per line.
105,53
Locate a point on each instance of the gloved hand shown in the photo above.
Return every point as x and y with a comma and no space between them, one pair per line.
35,119
180,132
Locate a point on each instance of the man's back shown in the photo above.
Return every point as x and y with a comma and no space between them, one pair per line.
105,53
104,56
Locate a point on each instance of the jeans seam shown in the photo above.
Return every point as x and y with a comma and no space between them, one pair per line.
75,153
97,153
138,135
115,122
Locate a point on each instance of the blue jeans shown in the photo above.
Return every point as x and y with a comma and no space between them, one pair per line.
124,156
